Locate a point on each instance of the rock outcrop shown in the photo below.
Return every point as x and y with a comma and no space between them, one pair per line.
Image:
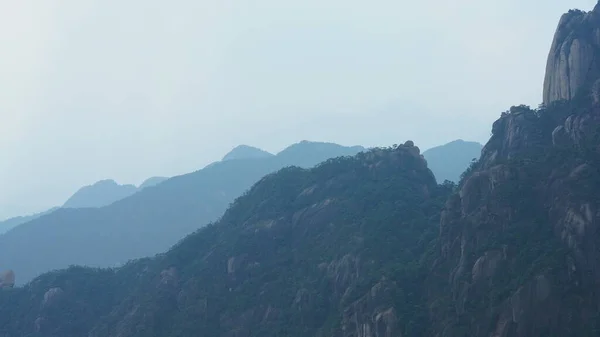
518,245
7,279
519,242
574,59
373,315
51,296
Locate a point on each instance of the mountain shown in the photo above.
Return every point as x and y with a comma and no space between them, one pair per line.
447,162
573,58
333,250
102,193
105,192
99,194
147,222
8,224
450,160
303,150
153,181
246,152
370,246
519,242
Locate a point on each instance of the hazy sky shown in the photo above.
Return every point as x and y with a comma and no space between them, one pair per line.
127,89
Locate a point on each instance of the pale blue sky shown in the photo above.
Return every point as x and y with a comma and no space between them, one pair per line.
95,89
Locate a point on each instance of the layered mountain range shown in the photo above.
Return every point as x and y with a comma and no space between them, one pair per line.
371,245
116,222
148,221
99,194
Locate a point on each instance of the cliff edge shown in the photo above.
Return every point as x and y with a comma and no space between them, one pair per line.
573,64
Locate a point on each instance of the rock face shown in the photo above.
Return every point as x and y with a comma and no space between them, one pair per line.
373,315
51,296
7,279
519,241
574,58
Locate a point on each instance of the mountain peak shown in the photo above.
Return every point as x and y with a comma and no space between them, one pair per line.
307,145
152,181
105,182
101,193
448,161
246,152
572,67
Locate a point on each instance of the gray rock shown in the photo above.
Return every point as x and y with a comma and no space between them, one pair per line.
7,279
573,61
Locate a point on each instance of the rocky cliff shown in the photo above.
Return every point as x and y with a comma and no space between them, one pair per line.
518,246
519,243
574,59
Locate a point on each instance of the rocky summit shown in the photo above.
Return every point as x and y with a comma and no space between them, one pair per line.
573,61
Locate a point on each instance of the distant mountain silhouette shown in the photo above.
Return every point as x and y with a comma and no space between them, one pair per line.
301,253
449,161
246,152
305,149
8,224
152,182
147,222
102,193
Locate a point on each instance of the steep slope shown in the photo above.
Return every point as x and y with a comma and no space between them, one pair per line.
101,193
519,243
11,223
573,63
450,160
331,251
146,223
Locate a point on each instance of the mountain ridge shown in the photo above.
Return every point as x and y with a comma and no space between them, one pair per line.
101,193
136,226
245,152
447,161
370,246
231,275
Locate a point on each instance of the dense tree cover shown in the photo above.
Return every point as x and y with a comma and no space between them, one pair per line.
538,171
352,244
147,222
288,258
355,244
